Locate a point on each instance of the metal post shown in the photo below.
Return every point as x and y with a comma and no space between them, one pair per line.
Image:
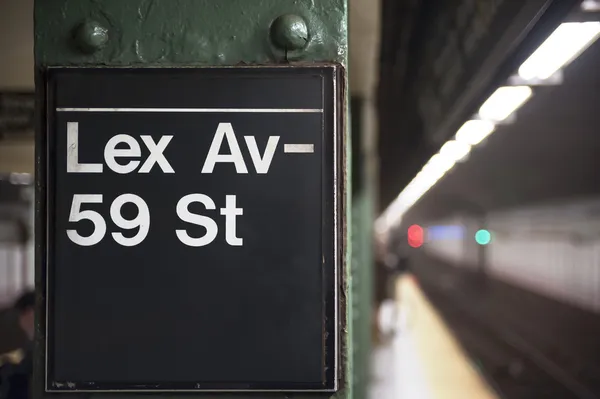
190,34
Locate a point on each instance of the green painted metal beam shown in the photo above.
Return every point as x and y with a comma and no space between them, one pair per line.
186,32
189,33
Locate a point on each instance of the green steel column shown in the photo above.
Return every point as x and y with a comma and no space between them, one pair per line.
363,202
361,267
171,33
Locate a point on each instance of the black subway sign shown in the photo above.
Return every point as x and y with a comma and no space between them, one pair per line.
193,220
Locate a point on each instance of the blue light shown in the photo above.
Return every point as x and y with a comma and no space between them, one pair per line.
451,232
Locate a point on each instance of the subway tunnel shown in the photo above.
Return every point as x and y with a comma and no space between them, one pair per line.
489,189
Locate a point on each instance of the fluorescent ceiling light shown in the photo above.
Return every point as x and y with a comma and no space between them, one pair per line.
498,107
454,150
431,173
474,131
393,214
564,45
504,102
440,164
590,5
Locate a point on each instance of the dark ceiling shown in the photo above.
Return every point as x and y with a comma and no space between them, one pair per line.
550,152
400,127
439,61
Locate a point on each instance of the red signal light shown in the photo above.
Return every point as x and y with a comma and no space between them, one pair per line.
415,243
415,232
415,236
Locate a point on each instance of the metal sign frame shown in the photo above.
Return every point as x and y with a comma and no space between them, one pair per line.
332,247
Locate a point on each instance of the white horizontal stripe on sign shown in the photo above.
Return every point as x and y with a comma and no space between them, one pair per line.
299,148
197,110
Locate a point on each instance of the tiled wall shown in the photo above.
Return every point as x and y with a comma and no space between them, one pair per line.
16,272
550,251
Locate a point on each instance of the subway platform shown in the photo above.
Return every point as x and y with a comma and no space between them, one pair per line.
422,360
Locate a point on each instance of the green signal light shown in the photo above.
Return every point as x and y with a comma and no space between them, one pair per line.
483,237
